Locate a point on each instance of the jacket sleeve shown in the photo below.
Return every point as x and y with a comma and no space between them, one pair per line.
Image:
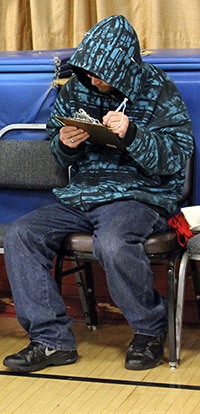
163,138
65,156
159,152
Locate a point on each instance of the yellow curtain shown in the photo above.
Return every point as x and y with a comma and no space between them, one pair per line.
57,24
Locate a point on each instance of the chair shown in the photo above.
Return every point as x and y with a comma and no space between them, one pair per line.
160,248
27,168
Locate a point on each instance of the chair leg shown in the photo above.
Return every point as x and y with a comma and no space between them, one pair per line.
87,298
82,295
171,314
91,294
180,302
196,283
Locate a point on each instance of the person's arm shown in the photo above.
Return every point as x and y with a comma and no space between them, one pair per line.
162,150
66,142
161,146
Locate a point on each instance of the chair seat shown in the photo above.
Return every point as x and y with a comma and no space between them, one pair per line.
162,243
78,242
156,244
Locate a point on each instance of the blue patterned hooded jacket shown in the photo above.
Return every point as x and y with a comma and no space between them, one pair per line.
159,138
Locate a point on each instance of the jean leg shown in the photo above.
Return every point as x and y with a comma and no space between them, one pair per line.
30,245
120,230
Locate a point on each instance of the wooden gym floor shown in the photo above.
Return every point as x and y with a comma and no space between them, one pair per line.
98,383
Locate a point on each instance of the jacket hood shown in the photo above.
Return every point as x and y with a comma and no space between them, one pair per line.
111,51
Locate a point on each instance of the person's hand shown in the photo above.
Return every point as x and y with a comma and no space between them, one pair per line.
117,121
72,136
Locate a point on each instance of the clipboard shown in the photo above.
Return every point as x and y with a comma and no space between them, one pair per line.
99,134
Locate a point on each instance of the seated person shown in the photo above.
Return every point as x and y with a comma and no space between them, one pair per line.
121,196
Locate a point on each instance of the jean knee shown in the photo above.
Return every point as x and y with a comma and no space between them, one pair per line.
107,246
14,232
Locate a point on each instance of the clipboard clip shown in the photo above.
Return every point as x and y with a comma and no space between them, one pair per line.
82,115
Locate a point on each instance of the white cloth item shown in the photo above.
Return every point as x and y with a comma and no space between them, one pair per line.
192,215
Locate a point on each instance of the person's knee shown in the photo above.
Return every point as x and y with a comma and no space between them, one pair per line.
14,231
107,245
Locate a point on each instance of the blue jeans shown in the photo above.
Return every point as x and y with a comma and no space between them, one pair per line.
119,230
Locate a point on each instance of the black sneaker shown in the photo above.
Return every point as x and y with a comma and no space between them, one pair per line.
145,352
37,356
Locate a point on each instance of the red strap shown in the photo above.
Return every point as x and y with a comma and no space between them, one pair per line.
179,223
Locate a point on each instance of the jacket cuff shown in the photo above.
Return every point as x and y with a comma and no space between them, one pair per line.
67,150
130,135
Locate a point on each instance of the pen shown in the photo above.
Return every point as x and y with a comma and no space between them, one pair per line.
121,105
